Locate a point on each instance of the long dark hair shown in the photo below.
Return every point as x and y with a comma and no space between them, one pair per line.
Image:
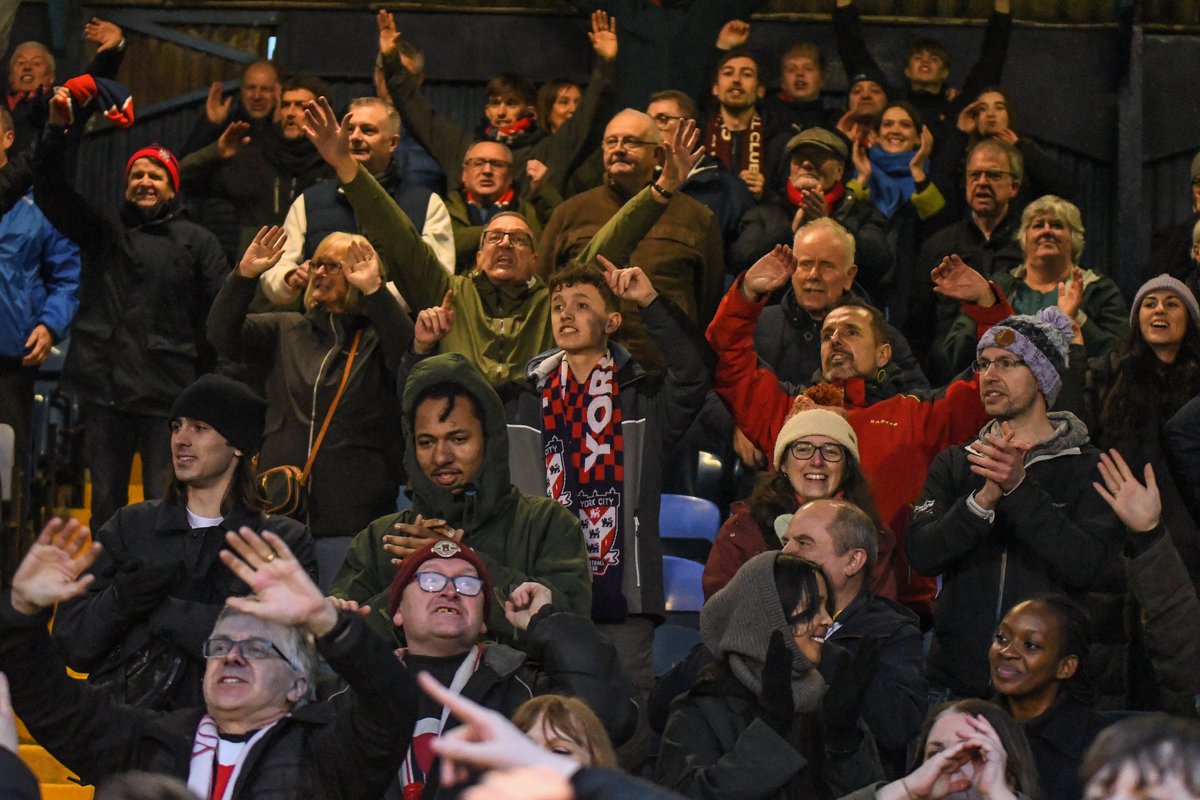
773,495
1019,768
796,581
1147,388
243,493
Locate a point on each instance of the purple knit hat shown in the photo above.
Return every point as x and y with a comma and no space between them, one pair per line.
1041,341
1166,283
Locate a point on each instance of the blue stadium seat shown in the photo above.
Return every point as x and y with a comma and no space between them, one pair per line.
331,552
672,643
681,584
687,526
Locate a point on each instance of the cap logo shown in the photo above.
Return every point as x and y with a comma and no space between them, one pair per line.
446,549
1005,337
164,154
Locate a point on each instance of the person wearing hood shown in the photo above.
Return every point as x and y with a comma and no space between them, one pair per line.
262,172
909,427
456,453
148,278
1011,514
761,721
352,335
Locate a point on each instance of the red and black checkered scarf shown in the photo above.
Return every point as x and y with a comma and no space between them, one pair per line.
736,150
583,445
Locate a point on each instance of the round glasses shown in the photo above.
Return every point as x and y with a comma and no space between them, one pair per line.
433,582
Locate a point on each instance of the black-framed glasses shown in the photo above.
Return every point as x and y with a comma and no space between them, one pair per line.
330,267
1004,364
519,239
626,142
990,175
830,451
433,582
663,120
252,649
480,163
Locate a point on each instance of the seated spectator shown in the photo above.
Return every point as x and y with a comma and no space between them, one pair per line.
262,173
1173,248
374,130
257,100
510,110
992,115
855,353
969,749
985,238
1145,383
565,725
456,452
894,175
830,469
158,589
1051,236
1007,516
136,343
438,601
761,721
258,721
329,376
815,190
1145,758
798,102
1040,670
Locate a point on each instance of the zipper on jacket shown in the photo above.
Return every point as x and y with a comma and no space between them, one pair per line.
1000,592
637,555
312,417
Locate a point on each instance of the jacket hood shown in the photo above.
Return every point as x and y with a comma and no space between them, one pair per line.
541,366
1070,435
492,488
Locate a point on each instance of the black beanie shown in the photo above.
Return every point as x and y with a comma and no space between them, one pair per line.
229,406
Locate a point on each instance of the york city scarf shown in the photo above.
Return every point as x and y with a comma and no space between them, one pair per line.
720,143
583,445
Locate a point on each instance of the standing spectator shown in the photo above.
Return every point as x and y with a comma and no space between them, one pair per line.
139,630
414,161
258,99
148,278
736,135
348,344
39,270
322,209
261,173
798,102
1009,516
557,101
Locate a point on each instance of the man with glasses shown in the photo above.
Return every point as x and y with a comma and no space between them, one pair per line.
1012,514
438,601
158,586
681,252
258,731
322,209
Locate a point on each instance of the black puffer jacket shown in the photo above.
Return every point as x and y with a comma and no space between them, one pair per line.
302,357
138,338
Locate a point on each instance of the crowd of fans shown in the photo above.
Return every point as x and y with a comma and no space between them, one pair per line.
964,543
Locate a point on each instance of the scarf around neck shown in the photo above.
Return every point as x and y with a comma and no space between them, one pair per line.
736,150
584,451
891,182
206,777
832,197
514,134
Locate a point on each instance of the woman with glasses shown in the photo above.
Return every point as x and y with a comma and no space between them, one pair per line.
761,721
304,362
816,456
1051,236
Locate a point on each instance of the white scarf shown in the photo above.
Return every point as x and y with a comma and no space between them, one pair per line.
203,770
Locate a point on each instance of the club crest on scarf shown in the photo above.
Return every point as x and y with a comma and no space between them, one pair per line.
598,513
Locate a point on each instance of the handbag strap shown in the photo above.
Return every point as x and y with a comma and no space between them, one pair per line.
312,454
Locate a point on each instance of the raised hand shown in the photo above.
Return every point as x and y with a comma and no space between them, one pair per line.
812,206
433,324
733,34
1008,136
412,536
352,606
862,163
989,780
917,166
331,139
630,283
1138,506
60,107
682,153
233,139
768,273
954,279
1000,459
283,591
1070,296
603,35
52,570
750,455
216,109
537,172
968,118
263,252
106,35
298,277
362,268
525,601
935,778
388,34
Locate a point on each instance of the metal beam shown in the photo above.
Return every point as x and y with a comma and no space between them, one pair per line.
143,23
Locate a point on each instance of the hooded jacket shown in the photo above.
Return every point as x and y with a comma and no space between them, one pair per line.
519,537
1052,533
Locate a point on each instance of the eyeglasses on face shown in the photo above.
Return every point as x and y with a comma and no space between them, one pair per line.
519,239
625,143
663,120
989,175
330,267
803,451
480,163
433,582
253,649
1004,364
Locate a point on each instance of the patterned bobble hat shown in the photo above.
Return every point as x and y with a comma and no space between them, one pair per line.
1041,341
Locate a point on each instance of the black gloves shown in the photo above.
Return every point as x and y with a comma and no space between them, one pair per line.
776,706
843,701
141,586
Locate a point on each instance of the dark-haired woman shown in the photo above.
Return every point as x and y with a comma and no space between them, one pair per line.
760,722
